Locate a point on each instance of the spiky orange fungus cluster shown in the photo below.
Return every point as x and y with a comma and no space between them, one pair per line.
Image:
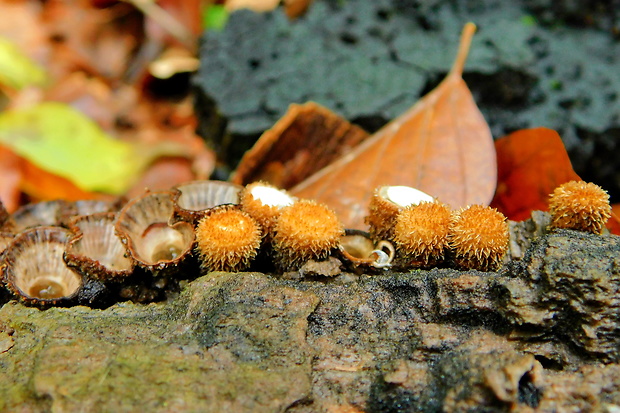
228,239
264,202
303,231
479,237
385,204
421,233
580,205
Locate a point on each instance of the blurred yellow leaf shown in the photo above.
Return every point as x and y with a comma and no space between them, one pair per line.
16,69
61,140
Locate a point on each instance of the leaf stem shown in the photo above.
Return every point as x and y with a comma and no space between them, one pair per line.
166,21
466,36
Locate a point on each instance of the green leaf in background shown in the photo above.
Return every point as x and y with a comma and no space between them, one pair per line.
214,17
16,69
63,141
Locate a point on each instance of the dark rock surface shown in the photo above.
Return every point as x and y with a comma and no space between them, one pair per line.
541,335
532,63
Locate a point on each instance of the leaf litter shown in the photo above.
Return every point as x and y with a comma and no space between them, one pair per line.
98,58
99,110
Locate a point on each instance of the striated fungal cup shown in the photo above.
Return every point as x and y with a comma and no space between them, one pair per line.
154,244
34,270
264,202
6,221
71,210
385,204
227,239
479,237
421,234
305,230
192,199
96,251
5,239
581,206
46,213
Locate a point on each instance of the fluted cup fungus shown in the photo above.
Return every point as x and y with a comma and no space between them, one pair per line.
34,270
155,244
96,251
193,199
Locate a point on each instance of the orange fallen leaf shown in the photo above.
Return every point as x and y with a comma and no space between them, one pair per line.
307,138
442,146
18,175
613,225
531,164
10,178
43,186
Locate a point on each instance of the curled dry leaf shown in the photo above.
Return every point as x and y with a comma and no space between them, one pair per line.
307,138
531,163
442,146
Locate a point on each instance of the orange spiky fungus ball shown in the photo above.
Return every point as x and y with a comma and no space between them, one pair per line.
478,237
305,230
228,239
385,204
264,202
580,205
421,234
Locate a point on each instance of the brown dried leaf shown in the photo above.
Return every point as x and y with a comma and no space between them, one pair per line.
442,146
307,138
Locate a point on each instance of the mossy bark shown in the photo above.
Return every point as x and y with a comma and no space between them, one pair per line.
542,334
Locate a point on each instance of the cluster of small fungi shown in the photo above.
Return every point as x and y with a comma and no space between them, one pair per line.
62,253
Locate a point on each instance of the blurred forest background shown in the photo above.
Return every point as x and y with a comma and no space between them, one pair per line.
102,98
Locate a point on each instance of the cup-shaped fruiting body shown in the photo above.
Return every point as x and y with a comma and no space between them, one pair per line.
580,205
34,270
421,234
6,221
227,239
479,237
192,199
5,239
71,210
358,249
96,251
264,202
303,231
385,204
142,225
46,213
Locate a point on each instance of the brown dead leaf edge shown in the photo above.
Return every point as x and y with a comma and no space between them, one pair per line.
442,146
307,138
